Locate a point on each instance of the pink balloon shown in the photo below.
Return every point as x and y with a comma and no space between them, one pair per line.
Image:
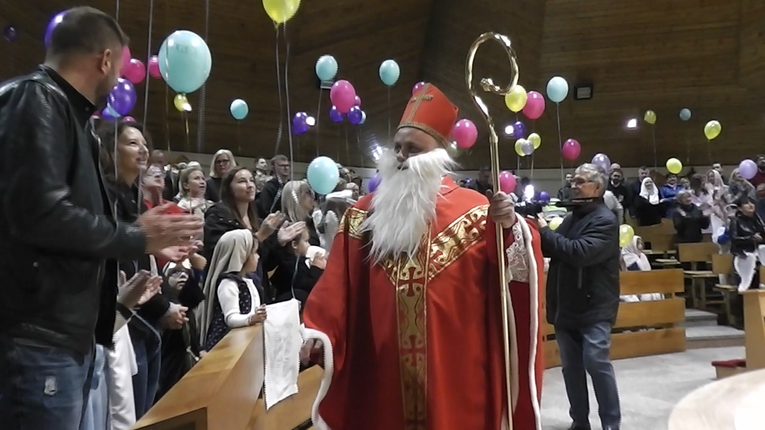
357,101
128,119
343,95
135,71
506,182
126,56
465,133
571,149
417,87
154,67
535,105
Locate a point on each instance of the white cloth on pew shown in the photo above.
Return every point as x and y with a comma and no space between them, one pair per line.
282,343
746,266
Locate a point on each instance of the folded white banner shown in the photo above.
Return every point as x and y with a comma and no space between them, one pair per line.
282,343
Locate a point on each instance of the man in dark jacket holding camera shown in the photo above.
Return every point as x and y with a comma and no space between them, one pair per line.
583,296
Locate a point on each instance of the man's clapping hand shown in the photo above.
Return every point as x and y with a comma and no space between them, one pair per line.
166,230
139,289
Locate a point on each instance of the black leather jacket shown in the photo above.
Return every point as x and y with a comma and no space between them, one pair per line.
742,233
56,229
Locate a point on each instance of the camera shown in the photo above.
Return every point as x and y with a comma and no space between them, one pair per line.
530,208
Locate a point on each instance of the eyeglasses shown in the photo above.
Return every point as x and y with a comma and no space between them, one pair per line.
580,181
224,161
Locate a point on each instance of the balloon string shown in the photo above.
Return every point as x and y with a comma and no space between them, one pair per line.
532,167
148,58
709,150
389,134
318,117
279,90
167,123
358,145
560,139
287,96
653,138
203,93
186,123
238,137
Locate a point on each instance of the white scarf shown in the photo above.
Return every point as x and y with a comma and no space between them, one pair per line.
653,195
633,255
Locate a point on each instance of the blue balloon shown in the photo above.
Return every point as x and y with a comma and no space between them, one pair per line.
374,182
389,72
326,68
557,89
184,61
239,109
685,114
323,175
109,114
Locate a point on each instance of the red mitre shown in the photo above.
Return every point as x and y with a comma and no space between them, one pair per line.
430,111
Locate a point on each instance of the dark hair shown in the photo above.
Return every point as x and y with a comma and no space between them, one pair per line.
85,30
106,133
742,200
669,175
278,158
228,199
643,168
697,181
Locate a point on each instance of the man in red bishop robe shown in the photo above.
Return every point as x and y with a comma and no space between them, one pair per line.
410,298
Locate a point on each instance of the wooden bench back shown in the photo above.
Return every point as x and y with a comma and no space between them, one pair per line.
661,237
631,337
696,252
722,264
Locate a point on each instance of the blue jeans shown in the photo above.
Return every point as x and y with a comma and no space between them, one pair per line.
96,415
42,387
587,350
147,347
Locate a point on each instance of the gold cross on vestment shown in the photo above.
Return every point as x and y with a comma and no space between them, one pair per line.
419,98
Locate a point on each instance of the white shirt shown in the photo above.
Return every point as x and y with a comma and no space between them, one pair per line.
228,296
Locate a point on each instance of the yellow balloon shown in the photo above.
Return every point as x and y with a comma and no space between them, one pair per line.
712,129
650,117
518,149
536,140
555,223
281,11
516,99
674,166
626,233
182,103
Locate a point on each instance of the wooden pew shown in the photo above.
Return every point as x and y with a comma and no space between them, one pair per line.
642,328
661,237
695,253
292,412
722,264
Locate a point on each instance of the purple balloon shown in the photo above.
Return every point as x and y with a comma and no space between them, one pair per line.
747,169
335,114
519,130
373,183
10,33
51,25
603,161
544,197
123,97
300,123
355,115
108,114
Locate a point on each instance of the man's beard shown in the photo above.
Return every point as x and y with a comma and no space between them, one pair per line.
404,203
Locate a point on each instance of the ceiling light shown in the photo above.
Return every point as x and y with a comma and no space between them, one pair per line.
632,123
509,130
311,121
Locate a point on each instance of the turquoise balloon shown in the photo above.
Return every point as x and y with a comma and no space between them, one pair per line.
323,175
685,114
557,89
184,61
326,68
239,109
389,72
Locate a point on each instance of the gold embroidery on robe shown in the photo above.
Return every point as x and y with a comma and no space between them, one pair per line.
410,277
352,219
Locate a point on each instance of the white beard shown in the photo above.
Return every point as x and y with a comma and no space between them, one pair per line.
404,203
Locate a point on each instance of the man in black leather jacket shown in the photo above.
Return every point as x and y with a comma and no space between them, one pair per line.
56,229
583,296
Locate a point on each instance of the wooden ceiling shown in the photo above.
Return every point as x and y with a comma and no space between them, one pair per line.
706,55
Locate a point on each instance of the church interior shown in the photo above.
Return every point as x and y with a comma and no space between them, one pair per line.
663,96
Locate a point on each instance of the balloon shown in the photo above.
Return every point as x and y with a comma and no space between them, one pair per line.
326,68
357,100
535,105
650,117
123,97
544,197
527,147
555,223
536,140
185,61
154,67
182,103
685,114
506,182
465,133
626,233
355,115
134,71
519,130
747,169
389,72
712,129
128,119
417,87
10,33
373,183
239,109
603,161
109,114
335,115
515,100
343,95
557,89
674,166
300,124
323,175
519,148
281,11
51,25
571,149
363,117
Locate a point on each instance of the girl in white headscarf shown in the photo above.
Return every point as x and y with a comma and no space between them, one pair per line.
233,299
635,260
650,208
